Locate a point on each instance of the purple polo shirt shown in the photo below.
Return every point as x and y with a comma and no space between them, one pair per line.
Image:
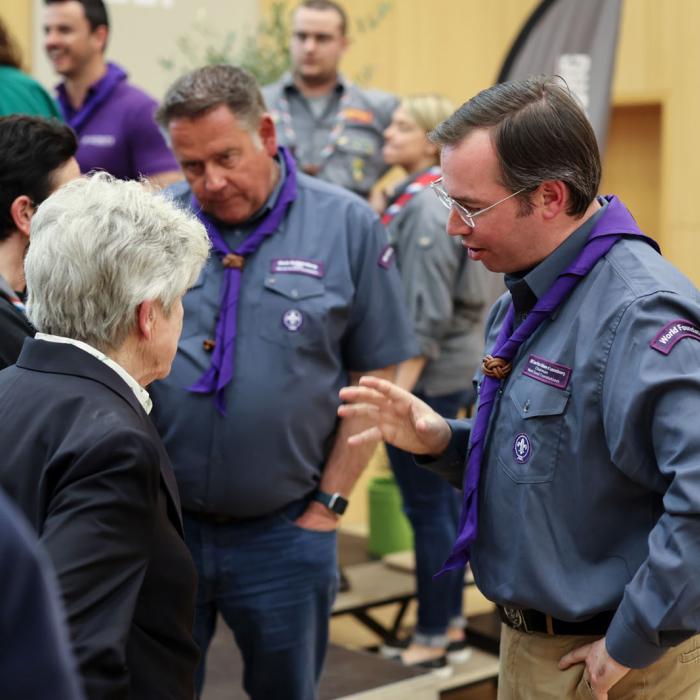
116,129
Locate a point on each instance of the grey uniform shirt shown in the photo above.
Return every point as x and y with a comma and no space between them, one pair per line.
356,161
603,513
318,299
444,292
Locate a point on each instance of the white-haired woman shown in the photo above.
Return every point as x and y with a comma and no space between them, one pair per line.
106,269
444,294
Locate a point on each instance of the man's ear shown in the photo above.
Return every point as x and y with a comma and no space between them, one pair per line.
21,211
268,134
552,196
100,35
145,318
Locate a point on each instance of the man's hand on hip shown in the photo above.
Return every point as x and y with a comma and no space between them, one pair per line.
318,517
602,672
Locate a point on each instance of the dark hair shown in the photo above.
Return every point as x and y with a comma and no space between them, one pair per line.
95,12
539,131
327,5
206,88
10,55
31,148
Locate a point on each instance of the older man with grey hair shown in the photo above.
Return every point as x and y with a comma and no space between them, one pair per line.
106,271
300,295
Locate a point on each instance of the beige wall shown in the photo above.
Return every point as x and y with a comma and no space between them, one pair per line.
17,15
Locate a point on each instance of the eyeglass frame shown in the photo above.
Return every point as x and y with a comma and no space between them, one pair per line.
464,213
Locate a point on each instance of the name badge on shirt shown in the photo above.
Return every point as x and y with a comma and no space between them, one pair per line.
297,266
547,372
671,333
386,257
98,140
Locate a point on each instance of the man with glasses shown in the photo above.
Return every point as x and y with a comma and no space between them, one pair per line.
581,497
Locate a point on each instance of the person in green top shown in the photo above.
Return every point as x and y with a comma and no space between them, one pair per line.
19,92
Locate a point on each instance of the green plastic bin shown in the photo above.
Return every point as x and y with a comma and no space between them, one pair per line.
389,529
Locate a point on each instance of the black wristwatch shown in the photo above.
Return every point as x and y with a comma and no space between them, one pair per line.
333,501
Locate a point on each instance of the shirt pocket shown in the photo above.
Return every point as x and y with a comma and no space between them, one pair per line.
529,430
292,310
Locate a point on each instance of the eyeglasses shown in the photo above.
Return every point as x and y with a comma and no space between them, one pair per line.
464,213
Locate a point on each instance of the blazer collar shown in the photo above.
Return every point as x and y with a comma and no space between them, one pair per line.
62,358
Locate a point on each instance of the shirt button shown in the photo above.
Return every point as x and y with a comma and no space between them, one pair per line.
271,280
526,406
295,293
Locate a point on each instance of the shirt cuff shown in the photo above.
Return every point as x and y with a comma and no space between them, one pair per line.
450,464
627,646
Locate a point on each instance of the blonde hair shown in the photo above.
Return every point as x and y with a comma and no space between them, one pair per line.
428,109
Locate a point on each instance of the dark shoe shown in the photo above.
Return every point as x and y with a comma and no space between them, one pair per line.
392,650
343,583
458,652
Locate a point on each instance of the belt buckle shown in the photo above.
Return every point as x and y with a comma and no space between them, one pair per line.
516,619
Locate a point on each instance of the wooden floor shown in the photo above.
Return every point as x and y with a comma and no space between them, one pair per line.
349,671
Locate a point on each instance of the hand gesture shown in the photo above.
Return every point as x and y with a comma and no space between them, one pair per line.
398,417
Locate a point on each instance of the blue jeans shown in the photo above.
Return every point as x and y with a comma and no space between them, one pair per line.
432,507
274,584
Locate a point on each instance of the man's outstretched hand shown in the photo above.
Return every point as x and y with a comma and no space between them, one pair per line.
398,417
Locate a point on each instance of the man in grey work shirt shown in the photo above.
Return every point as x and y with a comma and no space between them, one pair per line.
584,455
300,296
333,127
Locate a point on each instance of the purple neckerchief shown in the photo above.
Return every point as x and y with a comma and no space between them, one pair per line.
219,375
96,95
612,225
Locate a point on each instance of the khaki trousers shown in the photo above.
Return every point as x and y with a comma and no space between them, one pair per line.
529,671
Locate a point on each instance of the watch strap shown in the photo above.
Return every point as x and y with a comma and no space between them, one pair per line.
333,501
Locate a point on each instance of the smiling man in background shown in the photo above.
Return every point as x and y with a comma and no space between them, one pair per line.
112,118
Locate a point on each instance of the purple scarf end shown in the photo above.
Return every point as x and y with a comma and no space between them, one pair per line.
456,560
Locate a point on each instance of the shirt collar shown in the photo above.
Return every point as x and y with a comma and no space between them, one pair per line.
288,83
141,394
273,196
113,73
528,286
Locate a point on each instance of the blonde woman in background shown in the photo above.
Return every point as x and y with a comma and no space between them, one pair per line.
444,294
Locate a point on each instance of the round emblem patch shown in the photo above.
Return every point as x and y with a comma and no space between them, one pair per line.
292,320
521,448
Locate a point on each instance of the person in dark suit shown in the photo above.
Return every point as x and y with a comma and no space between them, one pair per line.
36,660
106,271
37,156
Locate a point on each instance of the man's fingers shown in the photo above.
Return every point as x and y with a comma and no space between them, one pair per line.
576,656
350,410
370,435
362,394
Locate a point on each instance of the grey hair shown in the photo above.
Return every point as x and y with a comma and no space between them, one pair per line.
204,89
539,131
99,247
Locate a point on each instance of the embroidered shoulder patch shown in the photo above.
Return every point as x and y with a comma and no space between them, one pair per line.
386,257
665,340
297,266
353,114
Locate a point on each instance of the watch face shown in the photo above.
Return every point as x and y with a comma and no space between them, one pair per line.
333,501
339,504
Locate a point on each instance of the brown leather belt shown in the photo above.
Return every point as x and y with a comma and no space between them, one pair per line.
535,621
